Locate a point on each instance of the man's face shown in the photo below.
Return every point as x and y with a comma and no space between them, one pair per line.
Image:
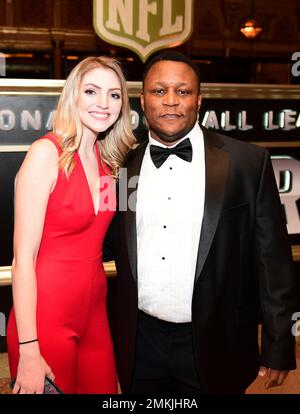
170,100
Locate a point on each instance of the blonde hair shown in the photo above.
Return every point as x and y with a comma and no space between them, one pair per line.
115,142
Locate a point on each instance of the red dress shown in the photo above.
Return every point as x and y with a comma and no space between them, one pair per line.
72,325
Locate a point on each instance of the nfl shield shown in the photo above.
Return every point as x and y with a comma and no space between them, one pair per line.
144,26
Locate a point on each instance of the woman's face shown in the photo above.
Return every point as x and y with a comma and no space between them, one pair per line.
100,100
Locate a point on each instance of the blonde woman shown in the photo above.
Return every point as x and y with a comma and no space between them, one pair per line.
65,201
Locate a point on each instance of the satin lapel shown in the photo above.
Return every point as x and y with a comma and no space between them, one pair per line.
133,172
216,170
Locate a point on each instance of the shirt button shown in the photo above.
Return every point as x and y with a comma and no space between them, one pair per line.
163,258
169,198
171,168
165,227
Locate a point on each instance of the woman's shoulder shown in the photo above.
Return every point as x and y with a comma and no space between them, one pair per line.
50,137
44,149
41,162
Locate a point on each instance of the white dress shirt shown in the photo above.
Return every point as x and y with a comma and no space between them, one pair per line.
170,202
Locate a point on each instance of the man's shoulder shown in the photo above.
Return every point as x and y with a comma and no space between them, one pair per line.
233,144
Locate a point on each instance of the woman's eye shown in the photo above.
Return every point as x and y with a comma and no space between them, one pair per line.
116,95
89,91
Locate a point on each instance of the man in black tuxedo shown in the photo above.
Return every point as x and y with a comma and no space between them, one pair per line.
202,252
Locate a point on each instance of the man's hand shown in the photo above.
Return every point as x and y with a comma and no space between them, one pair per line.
275,377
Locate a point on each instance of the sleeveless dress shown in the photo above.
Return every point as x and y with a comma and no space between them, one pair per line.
72,324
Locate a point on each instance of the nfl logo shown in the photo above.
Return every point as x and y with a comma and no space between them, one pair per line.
144,26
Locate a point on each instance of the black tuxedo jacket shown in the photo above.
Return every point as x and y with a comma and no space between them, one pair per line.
243,273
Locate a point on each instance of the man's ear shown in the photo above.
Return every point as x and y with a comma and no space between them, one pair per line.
199,102
142,101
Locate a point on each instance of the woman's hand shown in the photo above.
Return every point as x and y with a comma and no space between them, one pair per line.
32,370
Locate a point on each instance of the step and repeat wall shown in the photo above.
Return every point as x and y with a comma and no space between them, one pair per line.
266,115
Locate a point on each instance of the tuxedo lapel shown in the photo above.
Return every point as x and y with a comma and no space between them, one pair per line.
216,173
133,171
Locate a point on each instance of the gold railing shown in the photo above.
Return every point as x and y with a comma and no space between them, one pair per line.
110,268
5,273
208,90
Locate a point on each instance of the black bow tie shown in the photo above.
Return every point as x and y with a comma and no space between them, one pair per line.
183,150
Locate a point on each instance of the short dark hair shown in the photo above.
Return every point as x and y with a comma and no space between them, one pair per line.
174,57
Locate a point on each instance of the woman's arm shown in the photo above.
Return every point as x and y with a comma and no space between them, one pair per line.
35,181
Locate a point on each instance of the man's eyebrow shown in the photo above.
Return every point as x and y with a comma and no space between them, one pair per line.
99,87
163,83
